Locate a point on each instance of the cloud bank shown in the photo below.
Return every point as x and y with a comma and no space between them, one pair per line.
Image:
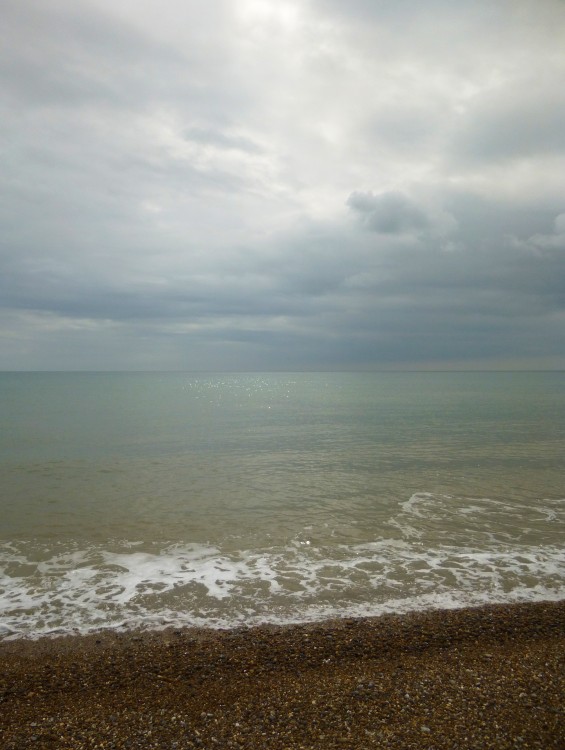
282,185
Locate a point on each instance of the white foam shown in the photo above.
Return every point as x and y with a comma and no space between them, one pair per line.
414,505
435,518
81,590
443,551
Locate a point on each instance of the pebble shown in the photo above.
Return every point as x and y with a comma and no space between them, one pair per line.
489,677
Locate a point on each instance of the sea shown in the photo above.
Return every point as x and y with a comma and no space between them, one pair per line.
153,500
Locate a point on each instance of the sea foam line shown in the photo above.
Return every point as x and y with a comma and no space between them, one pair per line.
86,589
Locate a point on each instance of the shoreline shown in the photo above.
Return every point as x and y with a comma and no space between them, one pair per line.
489,676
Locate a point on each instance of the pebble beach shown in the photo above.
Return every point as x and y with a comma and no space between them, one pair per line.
488,677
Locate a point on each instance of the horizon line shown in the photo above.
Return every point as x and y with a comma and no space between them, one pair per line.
275,372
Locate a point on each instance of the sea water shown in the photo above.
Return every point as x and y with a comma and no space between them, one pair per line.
154,499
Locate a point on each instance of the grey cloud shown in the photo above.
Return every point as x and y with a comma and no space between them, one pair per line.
547,246
164,205
65,54
520,119
403,12
388,213
559,224
334,291
75,56
220,139
408,127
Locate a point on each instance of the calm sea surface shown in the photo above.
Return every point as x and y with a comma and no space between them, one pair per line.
152,499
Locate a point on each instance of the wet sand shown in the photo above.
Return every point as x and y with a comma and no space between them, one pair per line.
491,677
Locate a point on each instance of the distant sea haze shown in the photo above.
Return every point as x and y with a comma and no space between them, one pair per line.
154,499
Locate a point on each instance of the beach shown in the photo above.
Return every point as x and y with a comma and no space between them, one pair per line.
487,677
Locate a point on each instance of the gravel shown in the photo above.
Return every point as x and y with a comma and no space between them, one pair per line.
489,677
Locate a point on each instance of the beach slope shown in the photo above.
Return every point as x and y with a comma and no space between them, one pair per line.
489,677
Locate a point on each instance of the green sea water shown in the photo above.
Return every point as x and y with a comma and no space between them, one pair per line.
148,499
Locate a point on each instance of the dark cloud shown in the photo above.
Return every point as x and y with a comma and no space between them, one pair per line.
388,213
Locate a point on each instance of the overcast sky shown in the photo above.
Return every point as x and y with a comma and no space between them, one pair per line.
282,184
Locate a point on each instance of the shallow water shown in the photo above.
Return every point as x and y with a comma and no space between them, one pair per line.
169,498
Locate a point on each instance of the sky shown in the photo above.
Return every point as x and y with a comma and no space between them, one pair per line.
282,184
